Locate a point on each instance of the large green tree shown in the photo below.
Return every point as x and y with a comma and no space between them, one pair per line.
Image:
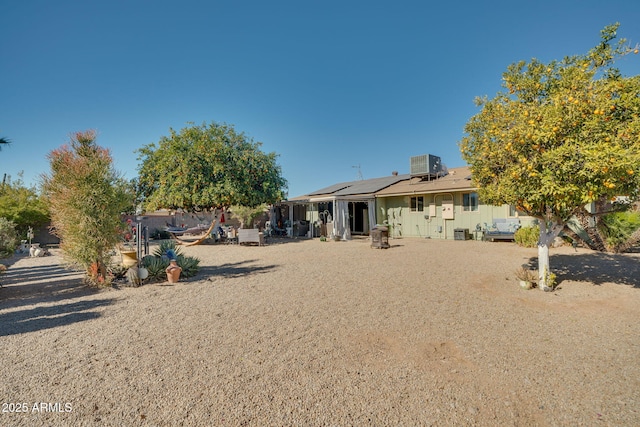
23,206
560,137
86,198
207,166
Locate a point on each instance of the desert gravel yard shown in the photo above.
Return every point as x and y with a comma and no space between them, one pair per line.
310,333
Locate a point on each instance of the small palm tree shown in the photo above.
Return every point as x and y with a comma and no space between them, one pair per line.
4,141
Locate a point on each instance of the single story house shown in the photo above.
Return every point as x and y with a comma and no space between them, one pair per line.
430,202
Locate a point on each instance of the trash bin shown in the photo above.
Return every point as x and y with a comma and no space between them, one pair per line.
461,234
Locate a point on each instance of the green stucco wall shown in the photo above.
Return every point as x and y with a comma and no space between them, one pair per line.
405,223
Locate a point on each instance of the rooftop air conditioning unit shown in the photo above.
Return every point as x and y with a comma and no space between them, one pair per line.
424,165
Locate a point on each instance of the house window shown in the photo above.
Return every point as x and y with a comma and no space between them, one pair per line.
470,202
417,204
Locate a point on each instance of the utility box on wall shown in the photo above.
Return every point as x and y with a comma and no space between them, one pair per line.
447,210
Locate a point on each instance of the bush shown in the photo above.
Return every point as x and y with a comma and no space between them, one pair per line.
86,197
8,238
118,271
22,206
527,236
618,227
247,214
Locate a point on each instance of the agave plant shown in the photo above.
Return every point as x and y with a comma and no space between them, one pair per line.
157,263
189,265
165,246
156,267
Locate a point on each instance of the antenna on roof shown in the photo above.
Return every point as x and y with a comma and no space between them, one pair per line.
360,178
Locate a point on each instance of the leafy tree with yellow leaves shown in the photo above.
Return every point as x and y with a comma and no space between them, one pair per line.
562,136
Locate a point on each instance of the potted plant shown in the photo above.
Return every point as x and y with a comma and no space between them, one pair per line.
127,252
526,277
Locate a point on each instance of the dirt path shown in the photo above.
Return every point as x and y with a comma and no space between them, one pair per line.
329,333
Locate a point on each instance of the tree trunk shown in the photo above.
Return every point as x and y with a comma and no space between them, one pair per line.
573,235
588,223
97,273
547,235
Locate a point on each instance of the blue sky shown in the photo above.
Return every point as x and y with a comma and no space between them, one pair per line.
329,85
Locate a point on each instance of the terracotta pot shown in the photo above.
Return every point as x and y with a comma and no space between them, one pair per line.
173,272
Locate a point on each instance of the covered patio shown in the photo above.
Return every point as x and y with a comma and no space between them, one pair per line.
341,210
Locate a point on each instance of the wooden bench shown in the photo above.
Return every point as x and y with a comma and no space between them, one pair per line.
250,235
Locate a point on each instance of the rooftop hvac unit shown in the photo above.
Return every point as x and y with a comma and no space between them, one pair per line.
426,164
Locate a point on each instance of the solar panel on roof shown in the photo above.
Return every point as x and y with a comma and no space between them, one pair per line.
331,189
365,186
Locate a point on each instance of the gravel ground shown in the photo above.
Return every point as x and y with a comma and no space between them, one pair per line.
310,333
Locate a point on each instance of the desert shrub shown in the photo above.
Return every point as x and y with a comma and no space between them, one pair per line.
118,271
527,236
8,238
86,196
618,227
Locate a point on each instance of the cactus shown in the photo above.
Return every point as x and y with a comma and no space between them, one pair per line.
133,277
